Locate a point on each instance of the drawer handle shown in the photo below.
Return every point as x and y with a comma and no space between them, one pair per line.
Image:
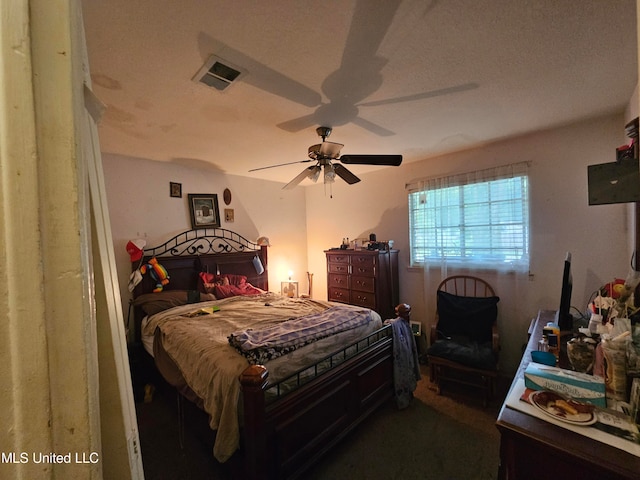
360,297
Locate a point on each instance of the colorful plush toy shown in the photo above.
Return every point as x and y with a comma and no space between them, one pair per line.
157,272
613,289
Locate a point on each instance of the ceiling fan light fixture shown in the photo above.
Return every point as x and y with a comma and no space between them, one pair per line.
314,174
329,174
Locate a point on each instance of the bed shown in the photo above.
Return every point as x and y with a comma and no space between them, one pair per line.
278,407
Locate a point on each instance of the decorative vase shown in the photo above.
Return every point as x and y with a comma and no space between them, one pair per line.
581,352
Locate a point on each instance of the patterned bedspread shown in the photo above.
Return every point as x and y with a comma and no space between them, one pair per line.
264,344
200,347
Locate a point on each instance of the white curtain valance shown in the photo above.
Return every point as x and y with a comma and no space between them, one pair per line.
485,175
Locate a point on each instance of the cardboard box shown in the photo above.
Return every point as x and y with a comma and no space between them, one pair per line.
580,386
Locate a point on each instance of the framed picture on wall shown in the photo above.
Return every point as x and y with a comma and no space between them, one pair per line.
175,189
204,211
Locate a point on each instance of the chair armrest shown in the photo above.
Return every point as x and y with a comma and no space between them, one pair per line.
433,330
433,334
495,339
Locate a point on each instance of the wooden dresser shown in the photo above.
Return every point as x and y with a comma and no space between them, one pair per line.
368,278
531,448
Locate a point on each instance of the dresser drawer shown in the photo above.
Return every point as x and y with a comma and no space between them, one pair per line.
363,299
363,284
338,258
363,269
336,294
338,268
363,260
339,281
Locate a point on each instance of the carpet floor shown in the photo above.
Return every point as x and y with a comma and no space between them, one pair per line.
449,436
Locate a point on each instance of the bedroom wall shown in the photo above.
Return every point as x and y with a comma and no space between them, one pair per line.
302,223
561,221
140,207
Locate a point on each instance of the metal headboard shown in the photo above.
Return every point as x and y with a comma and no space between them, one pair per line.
203,241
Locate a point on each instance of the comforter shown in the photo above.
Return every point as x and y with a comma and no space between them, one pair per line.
264,344
200,348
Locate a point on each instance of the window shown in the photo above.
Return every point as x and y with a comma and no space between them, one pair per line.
477,220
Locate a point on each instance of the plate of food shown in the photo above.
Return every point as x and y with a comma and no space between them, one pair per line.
563,408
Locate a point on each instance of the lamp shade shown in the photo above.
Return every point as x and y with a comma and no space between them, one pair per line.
263,242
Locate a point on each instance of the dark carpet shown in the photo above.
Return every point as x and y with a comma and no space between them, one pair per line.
449,436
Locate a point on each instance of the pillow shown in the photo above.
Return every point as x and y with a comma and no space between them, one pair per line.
225,291
152,303
208,281
234,279
468,316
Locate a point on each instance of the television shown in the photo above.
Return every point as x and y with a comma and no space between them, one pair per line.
564,319
615,182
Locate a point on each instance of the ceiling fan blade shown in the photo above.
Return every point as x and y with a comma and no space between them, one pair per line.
345,174
280,165
304,174
390,160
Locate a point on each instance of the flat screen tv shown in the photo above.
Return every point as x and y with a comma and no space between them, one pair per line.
564,319
614,182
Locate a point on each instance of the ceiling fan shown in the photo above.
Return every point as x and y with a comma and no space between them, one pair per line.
325,153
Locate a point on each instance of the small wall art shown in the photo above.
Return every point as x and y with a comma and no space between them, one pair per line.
204,211
175,189
228,215
416,328
226,196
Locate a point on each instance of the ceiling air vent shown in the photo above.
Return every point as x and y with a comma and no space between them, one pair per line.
218,73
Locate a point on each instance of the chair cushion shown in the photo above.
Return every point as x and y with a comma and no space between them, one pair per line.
469,353
471,317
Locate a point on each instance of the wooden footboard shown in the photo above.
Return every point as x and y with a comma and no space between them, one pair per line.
285,435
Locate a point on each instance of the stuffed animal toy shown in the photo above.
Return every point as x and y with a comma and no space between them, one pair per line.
613,289
157,272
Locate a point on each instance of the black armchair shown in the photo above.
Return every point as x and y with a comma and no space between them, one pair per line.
464,339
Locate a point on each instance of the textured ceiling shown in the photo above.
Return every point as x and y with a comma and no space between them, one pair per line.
413,77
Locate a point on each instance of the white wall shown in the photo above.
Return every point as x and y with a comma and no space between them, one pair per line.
140,206
561,221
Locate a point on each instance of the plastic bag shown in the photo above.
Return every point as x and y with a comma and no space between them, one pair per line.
615,368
